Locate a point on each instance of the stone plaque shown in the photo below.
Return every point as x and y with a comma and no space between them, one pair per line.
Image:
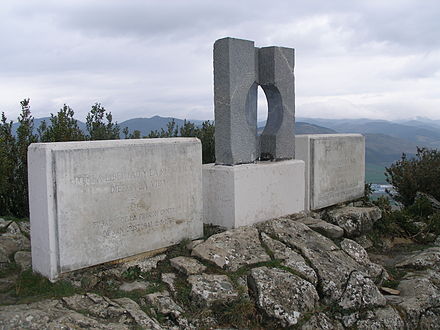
335,167
93,202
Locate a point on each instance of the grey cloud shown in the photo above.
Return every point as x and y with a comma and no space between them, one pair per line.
141,58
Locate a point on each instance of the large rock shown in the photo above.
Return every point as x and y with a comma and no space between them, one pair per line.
361,293
165,305
429,258
332,265
323,227
290,258
358,253
23,259
207,289
430,319
297,234
188,266
77,312
282,295
232,249
354,220
382,318
421,297
11,244
140,318
169,279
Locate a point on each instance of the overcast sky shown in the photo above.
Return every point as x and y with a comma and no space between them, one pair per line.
139,58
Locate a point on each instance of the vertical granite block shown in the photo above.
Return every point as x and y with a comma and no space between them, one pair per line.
276,77
235,101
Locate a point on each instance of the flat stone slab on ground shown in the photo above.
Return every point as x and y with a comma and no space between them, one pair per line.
207,289
188,266
147,196
132,286
145,264
232,249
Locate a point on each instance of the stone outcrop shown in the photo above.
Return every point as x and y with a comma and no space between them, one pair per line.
280,273
354,220
78,311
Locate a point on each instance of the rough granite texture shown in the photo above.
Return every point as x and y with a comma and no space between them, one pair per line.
235,101
239,68
207,289
299,296
276,77
354,220
232,249
275,274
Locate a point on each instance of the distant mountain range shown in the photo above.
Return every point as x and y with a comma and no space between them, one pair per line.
415,131
385,140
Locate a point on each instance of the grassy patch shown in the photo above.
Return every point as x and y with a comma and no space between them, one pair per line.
9,269
179,250
31,286
240,314
183,294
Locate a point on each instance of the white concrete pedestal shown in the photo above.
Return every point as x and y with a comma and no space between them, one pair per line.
242,195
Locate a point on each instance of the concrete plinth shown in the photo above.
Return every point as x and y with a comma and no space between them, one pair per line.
242,195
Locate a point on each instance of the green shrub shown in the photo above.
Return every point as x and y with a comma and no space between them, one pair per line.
63,127
409,176
8,163
99,128
13,165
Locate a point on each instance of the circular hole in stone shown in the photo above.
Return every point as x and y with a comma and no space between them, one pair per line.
262,110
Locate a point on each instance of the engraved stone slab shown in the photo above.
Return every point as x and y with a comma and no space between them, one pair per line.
335,167
97,201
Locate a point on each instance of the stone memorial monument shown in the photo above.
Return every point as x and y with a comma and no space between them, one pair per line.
240,189
98,201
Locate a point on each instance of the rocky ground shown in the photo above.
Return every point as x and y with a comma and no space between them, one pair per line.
304,271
